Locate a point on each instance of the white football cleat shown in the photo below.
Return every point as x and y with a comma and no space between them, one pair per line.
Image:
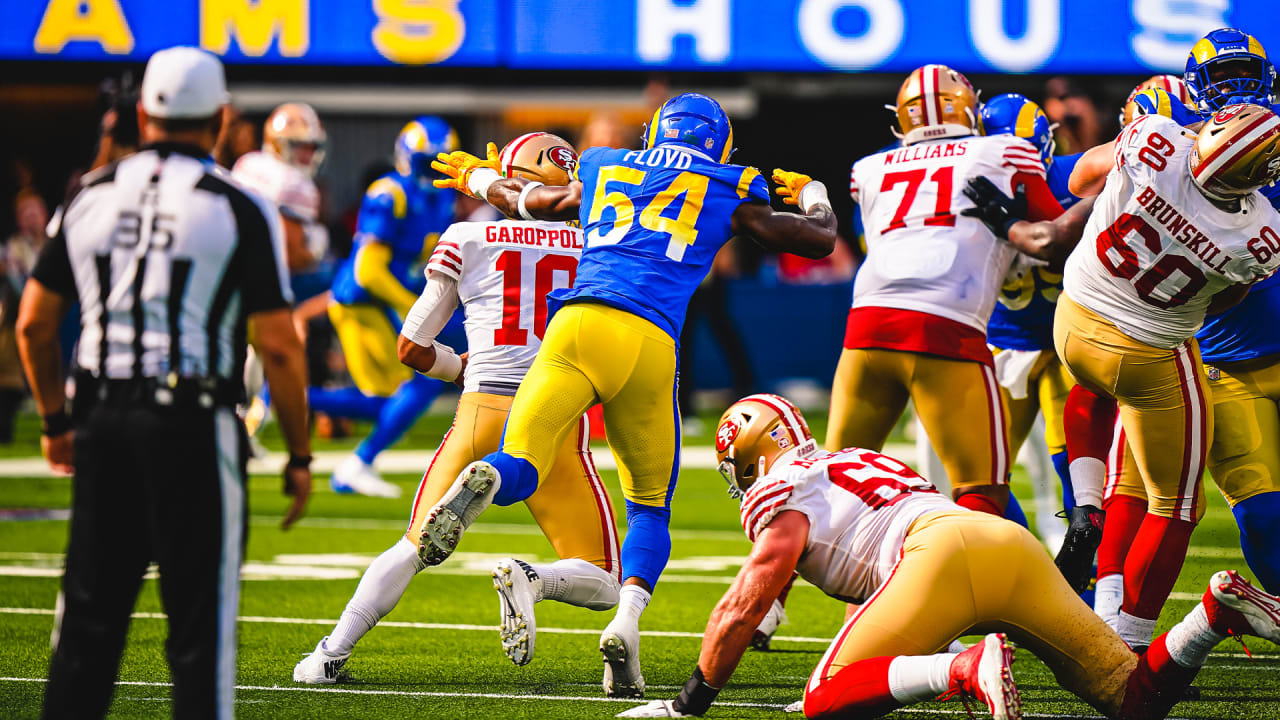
620,647
519,588
462,503
321,667
795,707
655,709
1235,607
984,672
354,475
768,626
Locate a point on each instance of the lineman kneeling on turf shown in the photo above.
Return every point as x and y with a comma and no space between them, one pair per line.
865,528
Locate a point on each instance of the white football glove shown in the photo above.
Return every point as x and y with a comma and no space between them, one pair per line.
655,709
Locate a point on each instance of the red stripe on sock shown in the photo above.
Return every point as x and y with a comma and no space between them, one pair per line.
1154,561
858,690
1124,517
1156,684
1089,423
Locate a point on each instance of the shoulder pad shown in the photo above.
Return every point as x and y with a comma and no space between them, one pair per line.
388,192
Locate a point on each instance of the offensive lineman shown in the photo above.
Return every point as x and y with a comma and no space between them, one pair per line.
1180,233
863,527
917,328
477,264
654,220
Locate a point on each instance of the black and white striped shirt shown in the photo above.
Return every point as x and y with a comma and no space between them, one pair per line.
168,257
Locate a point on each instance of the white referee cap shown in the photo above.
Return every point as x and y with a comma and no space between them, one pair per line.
183,82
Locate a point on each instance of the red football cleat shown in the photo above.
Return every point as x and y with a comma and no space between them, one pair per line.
985,672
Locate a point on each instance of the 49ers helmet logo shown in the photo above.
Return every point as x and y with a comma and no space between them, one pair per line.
563,157
727,433
1227,113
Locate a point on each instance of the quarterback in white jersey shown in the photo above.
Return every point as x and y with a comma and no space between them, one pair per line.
917,327
501,272
863,526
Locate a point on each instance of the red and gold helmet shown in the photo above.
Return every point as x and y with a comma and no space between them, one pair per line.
752,433
1236,152
294,134
1172,87
539,156
936,101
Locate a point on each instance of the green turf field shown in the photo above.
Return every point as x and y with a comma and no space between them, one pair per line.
437,655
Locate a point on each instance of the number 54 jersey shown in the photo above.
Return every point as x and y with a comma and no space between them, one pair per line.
504,271
860,505
922,254
1155,250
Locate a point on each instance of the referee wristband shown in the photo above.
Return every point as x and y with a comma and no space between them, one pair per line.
524,193
696,696
55,423
298,462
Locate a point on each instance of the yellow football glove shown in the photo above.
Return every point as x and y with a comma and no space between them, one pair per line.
789,185
457,166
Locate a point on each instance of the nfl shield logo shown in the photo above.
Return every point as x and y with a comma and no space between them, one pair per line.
1212,372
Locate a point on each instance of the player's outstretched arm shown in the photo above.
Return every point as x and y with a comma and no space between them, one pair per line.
811,235
1048,240
1090,172
514,197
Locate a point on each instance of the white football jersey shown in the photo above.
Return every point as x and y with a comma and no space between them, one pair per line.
922,254
859,504
282,184
504,271
1155,250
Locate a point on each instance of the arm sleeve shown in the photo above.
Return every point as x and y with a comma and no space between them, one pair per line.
261,249
1041,204
373,273
53,267
432,310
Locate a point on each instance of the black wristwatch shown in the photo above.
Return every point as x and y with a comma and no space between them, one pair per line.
298,462
55,423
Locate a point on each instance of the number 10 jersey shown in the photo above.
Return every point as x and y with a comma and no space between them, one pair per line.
504,271
922,254
1155,250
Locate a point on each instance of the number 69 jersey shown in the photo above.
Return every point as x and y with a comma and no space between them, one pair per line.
922,254
1155,250
860,505
504,271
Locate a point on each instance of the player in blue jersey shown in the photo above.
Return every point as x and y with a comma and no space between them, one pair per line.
1021,325
400,217
654,219
1240,347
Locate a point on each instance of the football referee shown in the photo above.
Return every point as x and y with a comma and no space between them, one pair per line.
173,265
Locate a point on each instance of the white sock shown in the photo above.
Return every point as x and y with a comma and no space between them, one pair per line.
1135,631
1088,476
913,678
1190,641
632,600
380,589
1107,598
577,582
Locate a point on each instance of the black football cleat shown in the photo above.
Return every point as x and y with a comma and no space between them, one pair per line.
1084,533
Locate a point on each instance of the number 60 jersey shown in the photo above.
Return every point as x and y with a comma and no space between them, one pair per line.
922,254
1155,250
504,270
860,505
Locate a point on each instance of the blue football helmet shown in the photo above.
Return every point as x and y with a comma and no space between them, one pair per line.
1014,114
1228,67
418,144
695,120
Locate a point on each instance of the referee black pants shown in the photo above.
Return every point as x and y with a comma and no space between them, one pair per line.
152,485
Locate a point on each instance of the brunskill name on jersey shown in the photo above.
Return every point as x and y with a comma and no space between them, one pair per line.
504,271
653,221
1155,251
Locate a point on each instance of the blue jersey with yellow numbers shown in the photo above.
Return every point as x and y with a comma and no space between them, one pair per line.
653,221
400,213
1023,317
1247,330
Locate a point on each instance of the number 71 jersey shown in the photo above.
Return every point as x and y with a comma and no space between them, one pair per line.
504,270
922,254
1155,250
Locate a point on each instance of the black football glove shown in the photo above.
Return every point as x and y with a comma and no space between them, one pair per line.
995,209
